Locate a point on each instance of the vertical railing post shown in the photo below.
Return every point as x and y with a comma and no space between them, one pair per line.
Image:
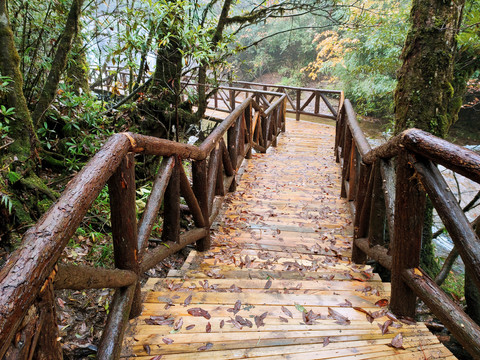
249,130
284,114
171,206
298,105
362,209
376,225
274,126
121,187
407,237
48,346
200,189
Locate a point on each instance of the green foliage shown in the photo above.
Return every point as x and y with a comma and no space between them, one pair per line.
364,55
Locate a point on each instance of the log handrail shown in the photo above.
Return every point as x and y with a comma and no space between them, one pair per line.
31,269
391,201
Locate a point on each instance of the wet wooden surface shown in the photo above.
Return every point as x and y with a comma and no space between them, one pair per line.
278,281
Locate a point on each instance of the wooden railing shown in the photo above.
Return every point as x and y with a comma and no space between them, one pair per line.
387,187
30,275
302,101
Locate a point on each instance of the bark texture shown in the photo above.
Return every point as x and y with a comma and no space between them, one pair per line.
21,130
424,87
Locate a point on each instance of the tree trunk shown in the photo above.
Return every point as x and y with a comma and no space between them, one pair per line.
59,62
77,70
21,129
424,88
425,79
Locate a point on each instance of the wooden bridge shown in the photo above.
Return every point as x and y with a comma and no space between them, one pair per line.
280,272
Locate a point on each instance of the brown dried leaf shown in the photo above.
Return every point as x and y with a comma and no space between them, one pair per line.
208,328
178,324
282,319
158,357
207,346
397,342
167,341
268,284
190,327
147,349
199,312
259,319
341,320
287,312
385,326
222,323
382,303
346,304
187,300
326,341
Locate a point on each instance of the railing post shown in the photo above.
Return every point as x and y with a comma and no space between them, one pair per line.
407,237
171,205
298,105
362,209
248,130
376,226
200,189
121,187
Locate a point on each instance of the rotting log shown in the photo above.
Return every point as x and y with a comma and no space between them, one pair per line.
121,188
449,313
154,202
376,252
171,206
406,245
29,266
154,256
463,236
78,277
110,345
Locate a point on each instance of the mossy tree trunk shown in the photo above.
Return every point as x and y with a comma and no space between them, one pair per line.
59,62
21,129
77,69
425,79
424,90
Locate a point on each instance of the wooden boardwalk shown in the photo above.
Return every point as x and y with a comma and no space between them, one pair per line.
278,281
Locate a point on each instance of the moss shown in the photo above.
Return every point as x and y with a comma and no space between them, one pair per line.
44,205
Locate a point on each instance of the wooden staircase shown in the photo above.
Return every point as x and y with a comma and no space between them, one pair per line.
278,281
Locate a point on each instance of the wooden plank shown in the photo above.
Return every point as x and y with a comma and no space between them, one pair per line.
282,244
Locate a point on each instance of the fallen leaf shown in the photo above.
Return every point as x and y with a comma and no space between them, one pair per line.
397,342
326,341
282,319
187,300
190,327
199,312
287,312
268,284
167,341
208,328
259,319
385,326
382,303
207,346
178,324
147,349
346,304
222,323
341,320
300,308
